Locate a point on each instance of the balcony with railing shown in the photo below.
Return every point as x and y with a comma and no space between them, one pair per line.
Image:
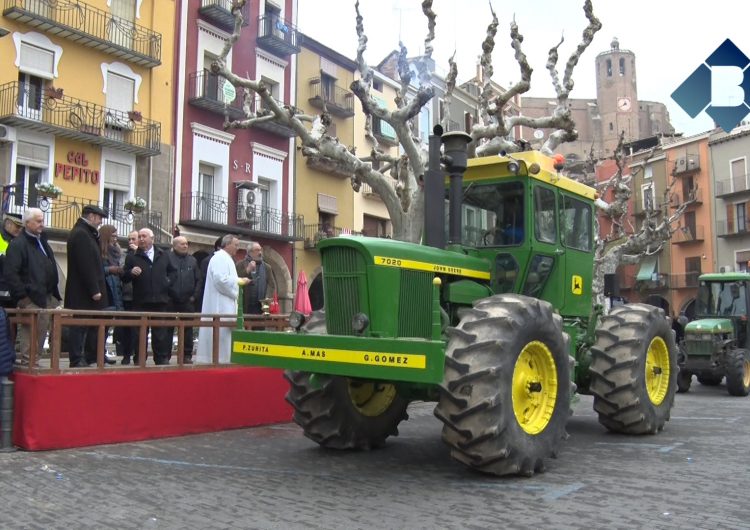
317,232
644,202
732,228
732,185
677,199
89,26
213,212
684,281
337,100
278,36
657,282
688,163
61,213
219,13
50,111
205,91
687,234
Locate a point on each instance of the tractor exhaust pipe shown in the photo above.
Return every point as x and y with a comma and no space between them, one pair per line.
455,158
434,194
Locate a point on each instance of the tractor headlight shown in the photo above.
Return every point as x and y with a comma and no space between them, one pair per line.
360,322
296,320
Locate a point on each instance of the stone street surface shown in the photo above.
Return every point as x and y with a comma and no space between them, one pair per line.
693,475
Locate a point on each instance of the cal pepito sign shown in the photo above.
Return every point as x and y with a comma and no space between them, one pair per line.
77,169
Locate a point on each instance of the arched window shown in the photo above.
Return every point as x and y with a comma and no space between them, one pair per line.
609,67
622,66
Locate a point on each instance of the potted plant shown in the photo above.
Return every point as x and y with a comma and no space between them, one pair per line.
135,205
47,190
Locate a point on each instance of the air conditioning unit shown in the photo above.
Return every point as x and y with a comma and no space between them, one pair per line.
7,134
245,208
726,268
692,163
681,164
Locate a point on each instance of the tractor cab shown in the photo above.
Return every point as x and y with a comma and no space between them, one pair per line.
724,297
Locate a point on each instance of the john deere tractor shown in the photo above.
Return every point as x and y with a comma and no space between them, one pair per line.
716,344
496,325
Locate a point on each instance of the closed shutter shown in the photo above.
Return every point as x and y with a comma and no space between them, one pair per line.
120,92
328,67
730,218
36,60
327,204
117,176
30,154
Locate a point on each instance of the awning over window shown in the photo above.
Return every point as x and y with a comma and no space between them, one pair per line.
648,267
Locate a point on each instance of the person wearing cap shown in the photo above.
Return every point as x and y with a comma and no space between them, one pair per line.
85,287
12,226
31,273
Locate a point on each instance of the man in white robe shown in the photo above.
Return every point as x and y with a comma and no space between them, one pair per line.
220,297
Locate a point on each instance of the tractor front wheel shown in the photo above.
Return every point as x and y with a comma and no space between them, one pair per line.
684,379
634,369
738,372
341,412
505,398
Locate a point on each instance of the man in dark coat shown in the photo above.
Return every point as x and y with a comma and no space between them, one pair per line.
149,268
253,267
184,286
85,287
12,226
31,273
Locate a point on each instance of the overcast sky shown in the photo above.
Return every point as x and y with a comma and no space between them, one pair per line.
670,38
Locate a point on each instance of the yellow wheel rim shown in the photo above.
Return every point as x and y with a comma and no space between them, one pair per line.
746,374
657,370
534,387
371,399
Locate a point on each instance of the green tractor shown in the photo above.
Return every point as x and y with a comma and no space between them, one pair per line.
497,326
715,345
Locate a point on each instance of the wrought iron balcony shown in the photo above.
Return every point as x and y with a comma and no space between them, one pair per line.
278,36
61,213
684,281
205,91
215,213
732,228
219,13
735,184
688,234
316,232
338,101
51,112
89,26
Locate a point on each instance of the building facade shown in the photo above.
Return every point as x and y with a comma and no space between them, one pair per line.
86,106
237,180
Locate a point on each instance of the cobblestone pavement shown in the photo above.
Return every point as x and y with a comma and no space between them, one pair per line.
693,475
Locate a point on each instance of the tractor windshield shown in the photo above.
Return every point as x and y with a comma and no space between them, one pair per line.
493,214
722,299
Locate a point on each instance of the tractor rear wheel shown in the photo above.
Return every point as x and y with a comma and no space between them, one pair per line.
505,398
341,412
710,379
634,369
738,372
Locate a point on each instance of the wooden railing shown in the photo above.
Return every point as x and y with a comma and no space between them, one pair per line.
112,319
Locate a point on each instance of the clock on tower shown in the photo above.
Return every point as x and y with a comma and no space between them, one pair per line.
623,104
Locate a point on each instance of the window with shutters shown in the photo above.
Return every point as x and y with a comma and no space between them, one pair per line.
741,209
205,206
738,174
648,195
120,91
30,89
121,26
32,163
117,179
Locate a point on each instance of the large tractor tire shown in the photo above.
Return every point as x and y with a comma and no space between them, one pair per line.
634,369
738,372
340,412
506,395
710,379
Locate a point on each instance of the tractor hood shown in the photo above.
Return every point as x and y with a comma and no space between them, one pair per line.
389,253
710,325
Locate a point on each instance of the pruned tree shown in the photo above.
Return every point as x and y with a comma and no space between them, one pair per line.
627,243
397,179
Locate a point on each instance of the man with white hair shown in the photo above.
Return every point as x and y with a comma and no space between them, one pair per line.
149,268
31,273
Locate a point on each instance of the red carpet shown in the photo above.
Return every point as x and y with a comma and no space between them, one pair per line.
75,410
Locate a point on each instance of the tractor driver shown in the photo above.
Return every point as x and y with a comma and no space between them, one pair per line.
734,302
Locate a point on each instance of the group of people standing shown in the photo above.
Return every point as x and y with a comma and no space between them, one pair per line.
143,278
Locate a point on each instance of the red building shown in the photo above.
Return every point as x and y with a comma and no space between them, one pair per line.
238,180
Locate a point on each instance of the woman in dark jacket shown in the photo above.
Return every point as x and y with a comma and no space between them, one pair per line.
112,259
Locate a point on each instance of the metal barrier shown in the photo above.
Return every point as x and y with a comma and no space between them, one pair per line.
104,319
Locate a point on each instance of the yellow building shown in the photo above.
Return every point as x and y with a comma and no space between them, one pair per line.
86,105
324,197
